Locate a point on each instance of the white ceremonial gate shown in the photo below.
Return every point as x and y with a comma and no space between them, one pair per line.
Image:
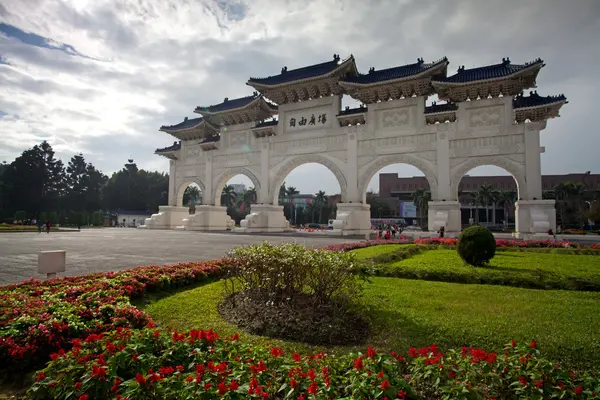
485,121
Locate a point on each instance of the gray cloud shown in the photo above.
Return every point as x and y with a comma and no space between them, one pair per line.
162,59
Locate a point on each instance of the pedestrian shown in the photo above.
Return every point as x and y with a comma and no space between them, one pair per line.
39,225
48,225
442,231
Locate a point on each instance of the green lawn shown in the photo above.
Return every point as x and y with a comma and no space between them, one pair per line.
512,268
417,313
369,252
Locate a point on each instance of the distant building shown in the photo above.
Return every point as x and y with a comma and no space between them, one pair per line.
131,218
395,190
239,188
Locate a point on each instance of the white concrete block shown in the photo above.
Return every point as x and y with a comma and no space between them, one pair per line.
51,262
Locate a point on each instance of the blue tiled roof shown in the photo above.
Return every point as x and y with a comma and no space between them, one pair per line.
488,72
402,71
176,146
535,99
440,108
356,110
228,104
187,123
300,73
267,123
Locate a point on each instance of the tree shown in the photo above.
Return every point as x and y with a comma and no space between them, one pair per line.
507,200
311,209
228,196
421,198
191,195
246,200
486,195
320,199
290,192
282,193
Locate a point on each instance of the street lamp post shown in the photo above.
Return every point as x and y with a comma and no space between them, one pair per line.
590,222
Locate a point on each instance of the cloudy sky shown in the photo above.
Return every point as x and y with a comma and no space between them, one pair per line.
101,76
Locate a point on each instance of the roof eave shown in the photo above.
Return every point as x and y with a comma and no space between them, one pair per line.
199,110
167,130
428,71
348,62
559,103
535,68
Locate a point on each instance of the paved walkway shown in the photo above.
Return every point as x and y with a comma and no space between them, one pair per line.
113,249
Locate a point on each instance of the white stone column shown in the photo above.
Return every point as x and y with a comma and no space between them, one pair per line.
533,165
265,182
208,181
172,186
351,169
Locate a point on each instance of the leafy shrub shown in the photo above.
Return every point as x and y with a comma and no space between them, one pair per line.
476,245
288,291
154,363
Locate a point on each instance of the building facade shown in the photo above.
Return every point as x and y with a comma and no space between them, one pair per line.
486,120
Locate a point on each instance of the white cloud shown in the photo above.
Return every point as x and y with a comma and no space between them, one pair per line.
151,62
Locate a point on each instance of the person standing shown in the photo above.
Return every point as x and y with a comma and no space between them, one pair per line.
48,225
38,223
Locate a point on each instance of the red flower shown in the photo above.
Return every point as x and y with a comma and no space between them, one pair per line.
179,368
380,374
207,386
452,374
40,377
533,344
83,397
513,343
293,383
523,380
358,364
235,337
539,384
371,352
312,389
577,390
189,378
296,357
77,385
276,352
100,372
222,388
233,385
139,378
385,385
311,374
401,395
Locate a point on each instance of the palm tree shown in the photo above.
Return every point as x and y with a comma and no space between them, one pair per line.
507,200
290,191
320,199
228,196
311,209
421,198
247,199
191,196
282,193
487,195
578,189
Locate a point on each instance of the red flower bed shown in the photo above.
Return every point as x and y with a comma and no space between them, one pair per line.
154,363
505,243
365,243
41,317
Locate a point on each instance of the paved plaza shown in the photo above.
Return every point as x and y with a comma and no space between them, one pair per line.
113,249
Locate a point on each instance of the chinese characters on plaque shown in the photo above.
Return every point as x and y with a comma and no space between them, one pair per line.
312,120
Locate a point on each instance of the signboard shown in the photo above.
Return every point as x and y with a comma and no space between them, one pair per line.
408,209
310,118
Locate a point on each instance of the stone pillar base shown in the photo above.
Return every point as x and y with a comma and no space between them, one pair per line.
446,214
352,219
534,218
208,218
168,217
264,218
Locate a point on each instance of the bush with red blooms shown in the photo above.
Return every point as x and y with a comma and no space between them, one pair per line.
365,243
41,317
153,363
505,243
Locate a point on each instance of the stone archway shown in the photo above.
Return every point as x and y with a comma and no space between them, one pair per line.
221,180
372,168
289,165
184,185
513,168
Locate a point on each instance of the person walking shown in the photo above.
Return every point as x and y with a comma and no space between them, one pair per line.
39,225
48,225
442,231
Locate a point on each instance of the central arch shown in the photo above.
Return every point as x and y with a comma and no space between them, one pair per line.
515,169
184,185
221,180
289,165
372,168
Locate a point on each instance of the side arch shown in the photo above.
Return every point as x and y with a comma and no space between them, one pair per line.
227,174
289,165
182,186
374,166
515,169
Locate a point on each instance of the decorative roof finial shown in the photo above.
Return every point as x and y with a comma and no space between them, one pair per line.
226,100
284,69
505,60
255,93
185,119
371,70
461,68
420,60
336,57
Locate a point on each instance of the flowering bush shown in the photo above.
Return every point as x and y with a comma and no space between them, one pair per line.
153,363
41,317
365,243
504,243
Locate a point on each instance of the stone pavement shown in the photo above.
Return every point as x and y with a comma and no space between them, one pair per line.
113,249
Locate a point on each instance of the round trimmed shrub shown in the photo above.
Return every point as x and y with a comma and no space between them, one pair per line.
476,245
